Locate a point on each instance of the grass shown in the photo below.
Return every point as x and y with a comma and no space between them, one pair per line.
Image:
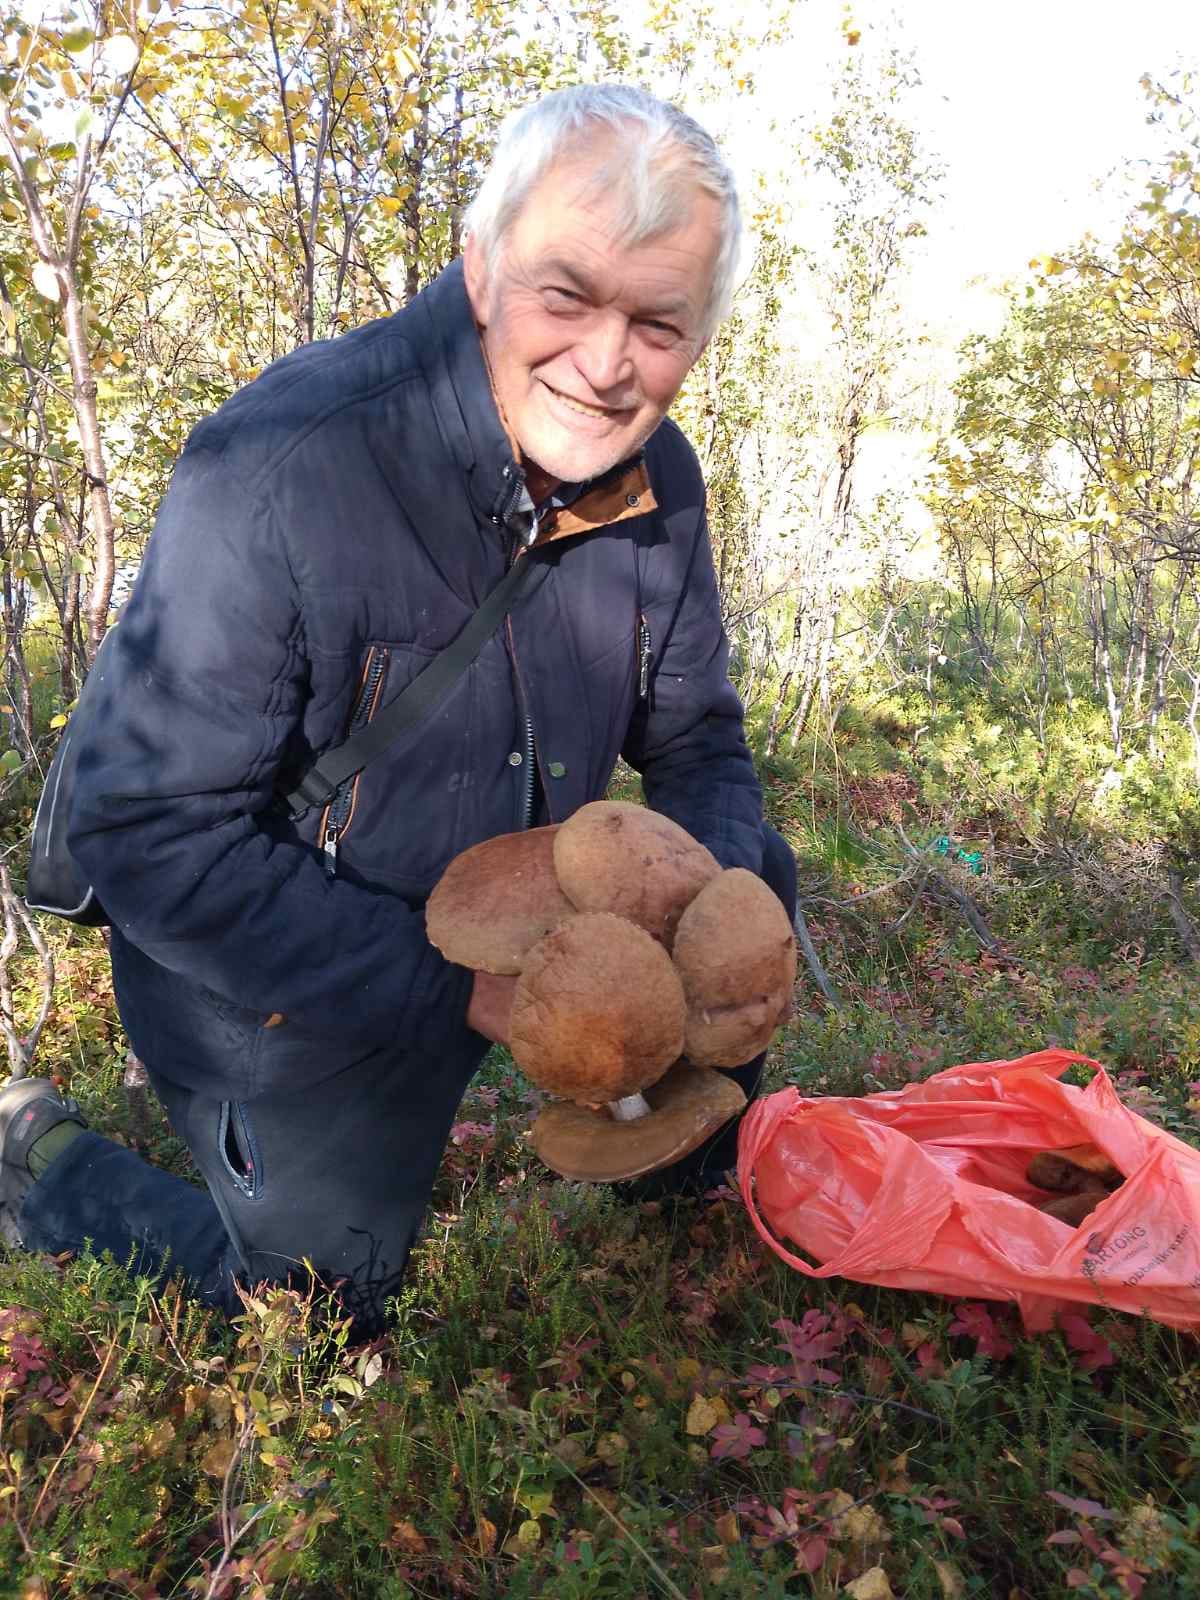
583,1396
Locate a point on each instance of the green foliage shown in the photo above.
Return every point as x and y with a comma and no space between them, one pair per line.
587,1396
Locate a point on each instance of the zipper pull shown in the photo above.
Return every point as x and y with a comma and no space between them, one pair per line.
330,846
644,653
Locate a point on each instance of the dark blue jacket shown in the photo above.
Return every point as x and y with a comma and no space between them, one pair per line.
337,522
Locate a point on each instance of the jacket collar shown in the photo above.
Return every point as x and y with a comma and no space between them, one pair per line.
461,392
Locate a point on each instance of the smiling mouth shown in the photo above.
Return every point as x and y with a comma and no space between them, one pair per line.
608,413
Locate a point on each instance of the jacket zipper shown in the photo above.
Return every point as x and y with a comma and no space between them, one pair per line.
510,497
645,651
530,769
339,809
529,744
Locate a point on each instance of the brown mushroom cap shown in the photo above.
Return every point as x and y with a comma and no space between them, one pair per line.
1073,1170
1073,1208
496,900
736,955
638,864
686,1106
597,1011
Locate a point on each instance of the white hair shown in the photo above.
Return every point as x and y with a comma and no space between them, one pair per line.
655,160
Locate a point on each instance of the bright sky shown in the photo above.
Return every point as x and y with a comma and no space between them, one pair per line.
1034,106
1031,105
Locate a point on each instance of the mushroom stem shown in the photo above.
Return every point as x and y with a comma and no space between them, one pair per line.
629,1108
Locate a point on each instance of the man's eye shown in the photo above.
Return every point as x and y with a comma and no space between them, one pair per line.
662,332
559,297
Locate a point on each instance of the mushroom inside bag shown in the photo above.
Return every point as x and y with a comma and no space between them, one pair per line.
929,1188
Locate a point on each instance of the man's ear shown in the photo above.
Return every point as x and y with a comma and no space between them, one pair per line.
475,277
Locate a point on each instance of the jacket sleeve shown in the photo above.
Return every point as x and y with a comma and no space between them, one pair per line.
202,688
687,737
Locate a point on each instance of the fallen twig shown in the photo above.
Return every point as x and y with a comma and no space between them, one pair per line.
820,976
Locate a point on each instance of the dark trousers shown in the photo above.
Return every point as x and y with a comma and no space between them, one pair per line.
337,1173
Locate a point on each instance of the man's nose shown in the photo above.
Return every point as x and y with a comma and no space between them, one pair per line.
602,355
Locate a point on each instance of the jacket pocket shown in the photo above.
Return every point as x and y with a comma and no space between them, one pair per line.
339,813
403,817
239,1150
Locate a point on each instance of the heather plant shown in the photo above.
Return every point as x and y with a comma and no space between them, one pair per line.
587,1395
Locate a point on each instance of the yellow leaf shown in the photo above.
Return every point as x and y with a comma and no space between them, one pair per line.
727,1528
873,1585
59,721
118,357
702,1417
862,1525
485,1535
389,205
950,1579
45,281
1186,364
687,1369
217,1458
712,1558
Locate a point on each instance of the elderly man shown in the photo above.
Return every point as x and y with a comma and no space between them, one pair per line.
326,534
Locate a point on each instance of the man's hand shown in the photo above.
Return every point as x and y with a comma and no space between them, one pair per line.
491,1006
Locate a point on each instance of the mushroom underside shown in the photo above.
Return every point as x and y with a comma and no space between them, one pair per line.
687,1105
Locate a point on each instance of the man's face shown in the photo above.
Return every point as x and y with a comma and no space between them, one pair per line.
588,339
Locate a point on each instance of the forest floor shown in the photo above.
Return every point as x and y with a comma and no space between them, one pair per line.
588,1396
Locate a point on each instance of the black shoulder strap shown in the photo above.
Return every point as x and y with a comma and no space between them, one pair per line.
320,783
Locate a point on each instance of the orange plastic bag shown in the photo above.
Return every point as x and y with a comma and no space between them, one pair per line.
924,1188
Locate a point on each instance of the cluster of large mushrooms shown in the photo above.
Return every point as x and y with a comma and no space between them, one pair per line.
641,966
